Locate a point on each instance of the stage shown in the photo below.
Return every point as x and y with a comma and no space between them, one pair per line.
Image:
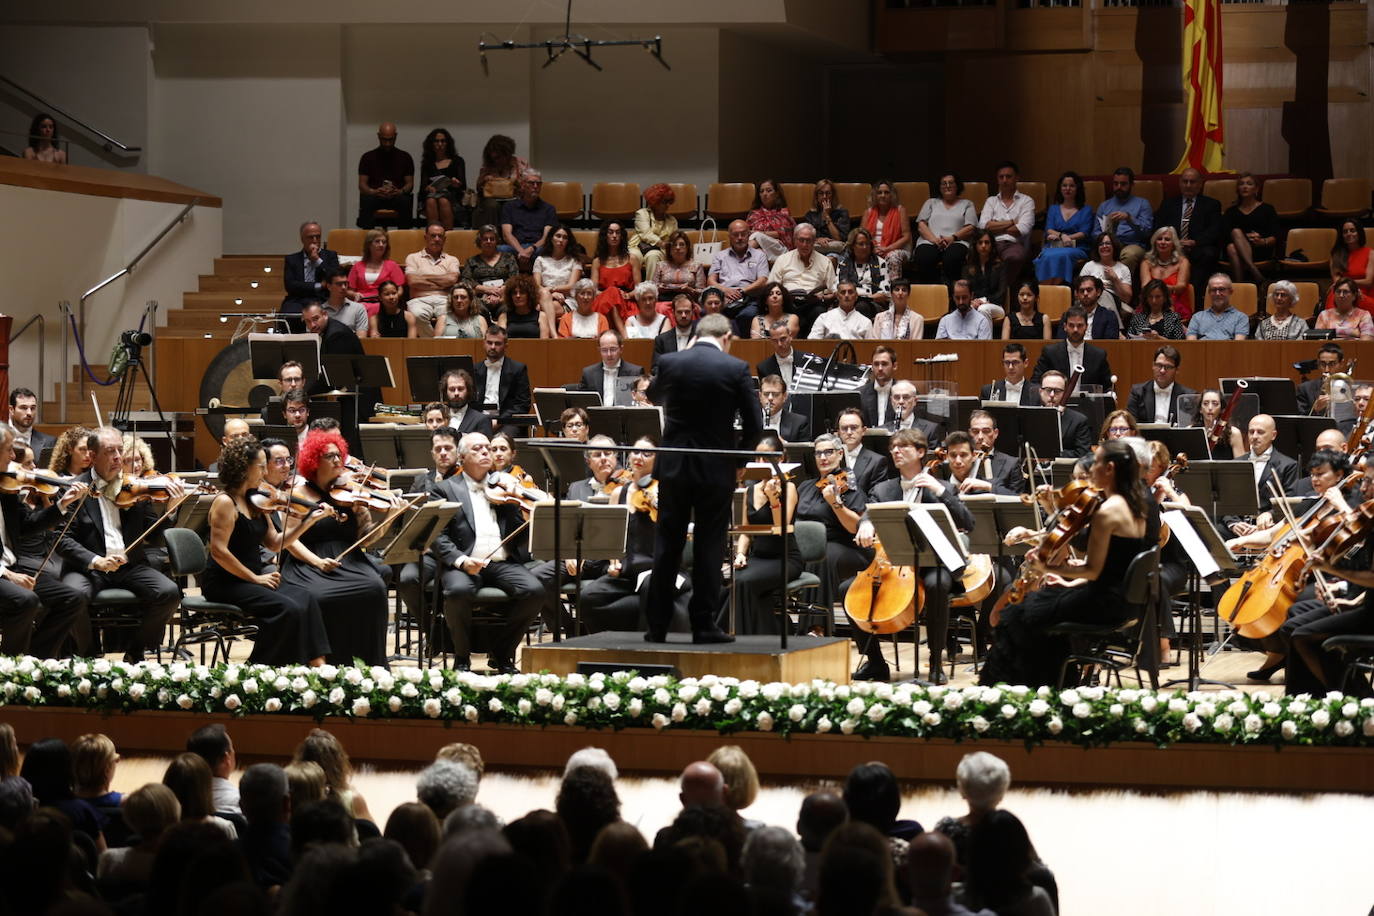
759,658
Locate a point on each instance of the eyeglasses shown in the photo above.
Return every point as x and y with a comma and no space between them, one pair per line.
283,462
574,424
1052,390
1165,366
1118,429
1012,363
332,456
826,452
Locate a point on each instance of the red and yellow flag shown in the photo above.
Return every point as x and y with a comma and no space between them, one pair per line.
1202,86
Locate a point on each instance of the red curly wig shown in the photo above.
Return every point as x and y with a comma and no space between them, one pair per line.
660,193
308,458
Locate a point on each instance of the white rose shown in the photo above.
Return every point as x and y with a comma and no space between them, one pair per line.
231,702
921,707
765,721
299,683
523,706
1055,725
1038,708
800,691
1128,695
1141,726
272,705
408,691
1253,723
575,680
688,693
559,701
1192,722
1344,729
637,684
1238,708
432,707
136,691
1368,727
1082,710
659,720
877,712
336,696
1008,711
1043,691
773,692
980,724
495,704
1018,690
367,686
1092,694
662,697
1149,704
1289,729
519,681
990,695
749,689
1205,710
1178,704
679,712
117,685
733,706
1069,697
83,687
543,696
1116,710
1224,722
796,712
702,707
453,696
931,718
215,692
164,696
1350,710
183,701
1367,703
470,713
847,726
593,703
570,718
953,701
1271,710
361,707
327,672
64,691
1321,719
719,693
101,666
855,707
1297,707
612,701
635,708
823,725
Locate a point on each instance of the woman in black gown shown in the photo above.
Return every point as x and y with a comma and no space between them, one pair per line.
839,509
350,591
1091,589
290,629
758,558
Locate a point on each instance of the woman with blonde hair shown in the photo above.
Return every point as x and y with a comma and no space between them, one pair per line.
830,220
148,812
366,276
741,779
323,748
305,778
190,779
1166,262
138,457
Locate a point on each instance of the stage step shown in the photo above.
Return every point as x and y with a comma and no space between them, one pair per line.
249,265
264,283
222,301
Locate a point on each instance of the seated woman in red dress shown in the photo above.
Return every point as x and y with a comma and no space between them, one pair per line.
614,274
376,267
1350,258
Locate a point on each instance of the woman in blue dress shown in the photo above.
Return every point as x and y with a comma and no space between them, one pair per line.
1067,227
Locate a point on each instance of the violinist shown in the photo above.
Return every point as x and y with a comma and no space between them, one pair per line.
138,457
1087,590
758,557
483,546
1270,465
415,577
503,454
95,543
350,591
290,628
1210,406
1119,424
72,453
38,611
913,484
835,501
1173,560
24,457
1074,436
601,462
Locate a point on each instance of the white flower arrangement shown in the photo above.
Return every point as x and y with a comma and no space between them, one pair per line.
1084,716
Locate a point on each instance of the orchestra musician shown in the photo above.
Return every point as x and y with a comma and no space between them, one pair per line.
875,395
435,415
836,501
1074,435
1156,401
913,484
1232,443
1013,386
866,467
1270,465
96,545
789,426
904,412
295,409
1088,590
1173,560
71,456
1072,351
1330,360
416,576
601,462
1003,470
350,590
290,628
758,557
456,386
499,379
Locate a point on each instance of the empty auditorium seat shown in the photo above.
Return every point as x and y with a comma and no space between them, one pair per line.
727,201
799,195
1094,192
685,204
1151,189
461,243
405,242
1036,191
930,301
614,199
1290,197
976,193
1344,197
346,242
1245,297
853,196
913,195
566,197
1054,301
1315,244
1222,190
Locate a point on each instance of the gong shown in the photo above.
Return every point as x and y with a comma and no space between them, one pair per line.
229,382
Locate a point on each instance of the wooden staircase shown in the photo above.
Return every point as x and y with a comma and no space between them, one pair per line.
240,283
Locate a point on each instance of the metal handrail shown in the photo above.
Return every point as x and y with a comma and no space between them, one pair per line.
42,351
110,142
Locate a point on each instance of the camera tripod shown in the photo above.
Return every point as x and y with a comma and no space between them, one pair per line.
124,399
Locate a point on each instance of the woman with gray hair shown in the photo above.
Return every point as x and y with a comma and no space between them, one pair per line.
982,779
833,500
648,322
1281,323
583,321
774,865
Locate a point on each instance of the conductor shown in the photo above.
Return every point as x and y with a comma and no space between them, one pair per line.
700,390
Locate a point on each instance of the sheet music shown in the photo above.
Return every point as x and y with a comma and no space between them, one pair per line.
1192,544
952,557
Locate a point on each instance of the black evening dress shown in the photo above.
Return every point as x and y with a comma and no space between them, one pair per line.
756,585
352,598
290,628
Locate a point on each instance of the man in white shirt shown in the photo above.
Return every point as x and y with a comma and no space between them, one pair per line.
790,427
1009,215
613,377
213,745
1013,386
875,395
430,276
807,274
965,322
782,361
456,387
844,321
472,554
904,412
1271,466
680,336
352,315
501,380
1156,401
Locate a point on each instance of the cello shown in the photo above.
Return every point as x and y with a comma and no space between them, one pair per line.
1078,501
884,598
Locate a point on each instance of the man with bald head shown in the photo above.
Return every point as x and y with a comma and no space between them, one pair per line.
386,181
1197,218
930,874
701,784
739,272
1271,466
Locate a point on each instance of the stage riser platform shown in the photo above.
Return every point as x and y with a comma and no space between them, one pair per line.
801,757
757,658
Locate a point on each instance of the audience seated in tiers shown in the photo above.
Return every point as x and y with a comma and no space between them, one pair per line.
303,271
443,180
1166,263
489,269
860,265
808,275
461,318
386,181
44,145
986,276
828,218
431,275
1281,323
583,321
844,321
498,178
616,275
1009,216
527,220
376,265
646,322
1198,221
1068,232
1026,321
392,318
944,227
189,778
887,222
965,322
1101,323
213,745
1350,259
654,226
1220,320
899,322
1128,218
677,274
1118,286
1072,352
557,272
1251,230
770,222
740,272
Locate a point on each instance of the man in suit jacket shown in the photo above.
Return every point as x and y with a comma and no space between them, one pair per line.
1075,438
413,577
783,360
612,378
1330,359
875,395
304,270
456,387
337,338
679,336
866,467
512,389
1102,323
1013,385
470,553
96,543
790,427
904,413
1148,400
1274,467
701,390
1003,470
23,414
1064,355
1199,223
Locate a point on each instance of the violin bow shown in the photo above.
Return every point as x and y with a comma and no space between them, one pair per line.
385,523
172,507
71,517
1323,587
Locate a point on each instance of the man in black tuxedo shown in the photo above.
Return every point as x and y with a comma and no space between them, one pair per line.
1013,386
471,554
904,412
612,378
865,466
1064,355
1075,438
23,414
304,270
701,390
456,387
1198,220
1102,323
95,546
413,577
1000,470
1156,401
679,336
875,395
501,380
336,338
1330,360
1271,466
783,360
790,427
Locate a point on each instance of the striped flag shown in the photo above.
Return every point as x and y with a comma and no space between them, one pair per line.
1202,86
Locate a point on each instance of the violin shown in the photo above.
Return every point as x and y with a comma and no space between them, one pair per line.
155,489
272,500
505,489
523,476
837,479
884,598
936,457
1077,502
368,476
620,478
1178,467
356,493
25,482
645,499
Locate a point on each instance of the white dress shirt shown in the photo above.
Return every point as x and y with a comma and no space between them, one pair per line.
911,493
884,395
1260,461
486,545
493,392
609,378
1075,356
837,323
1162,398
1014,391
109,514
786,367
773,421
684,338
1020,211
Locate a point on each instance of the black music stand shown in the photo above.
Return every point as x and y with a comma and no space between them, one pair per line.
1237,492
353,371
585,532
424,372
273,431
379,441
194,514
1190,440
549,404
1275,395
1017,425
1093,406
803,454
625,424
267,353
823,408
1208,557
948,411
410,543
1297,435
413,445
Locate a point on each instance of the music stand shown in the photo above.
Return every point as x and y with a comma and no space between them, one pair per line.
1008,426
267,353
194,514
1093,406
424,372
270,431
625,424
949,411
1039,428
549,404
413,445
1275,395
568,528
273,415
1236,491
412,541
1190,440
1061,471
823,408
804,454
1297,435
379,441
1208,557
353,371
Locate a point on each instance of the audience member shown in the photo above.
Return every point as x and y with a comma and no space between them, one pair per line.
770,222
470,818
592,757
461,318
587,802
557,272
376,266
498,177
303,271
446,785
944,227
739,271
1197,219
1281,323
1350,260
820,815
1129,219
1222,320
148,812
1009,215
522,315
431,275
266,842
414,826
615,274
44,144
741,779
323,748
393,319
93,769
386,181
9,752
583,321
965,322
527,220
1100,323
775,307
930,864
828,218
1166,263
1026,321
341,309
1068,232
48,769
1346,318
677,274
998,869
1118,286
774,867
213,745
986,276
808,276
541,837
616,848
443,180
1251,230
898,322
1156,320
654,226
646,322
844,321
489,269
888,224
856,872
860,264
189,778
321,822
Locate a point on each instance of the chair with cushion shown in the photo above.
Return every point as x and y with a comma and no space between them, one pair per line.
1151,189
929,300
798,195
1055,301
685,205
976,193
811,545
913,195
461,243
1245,297
347,242
1223,190
202,620
405,242
1117,647
566,197
615,200
1036,191
853,196
729,200
1309,294
116,610
1315,245
1343,198
1290,197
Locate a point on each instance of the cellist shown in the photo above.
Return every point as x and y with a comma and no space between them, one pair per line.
913,484
1023,652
